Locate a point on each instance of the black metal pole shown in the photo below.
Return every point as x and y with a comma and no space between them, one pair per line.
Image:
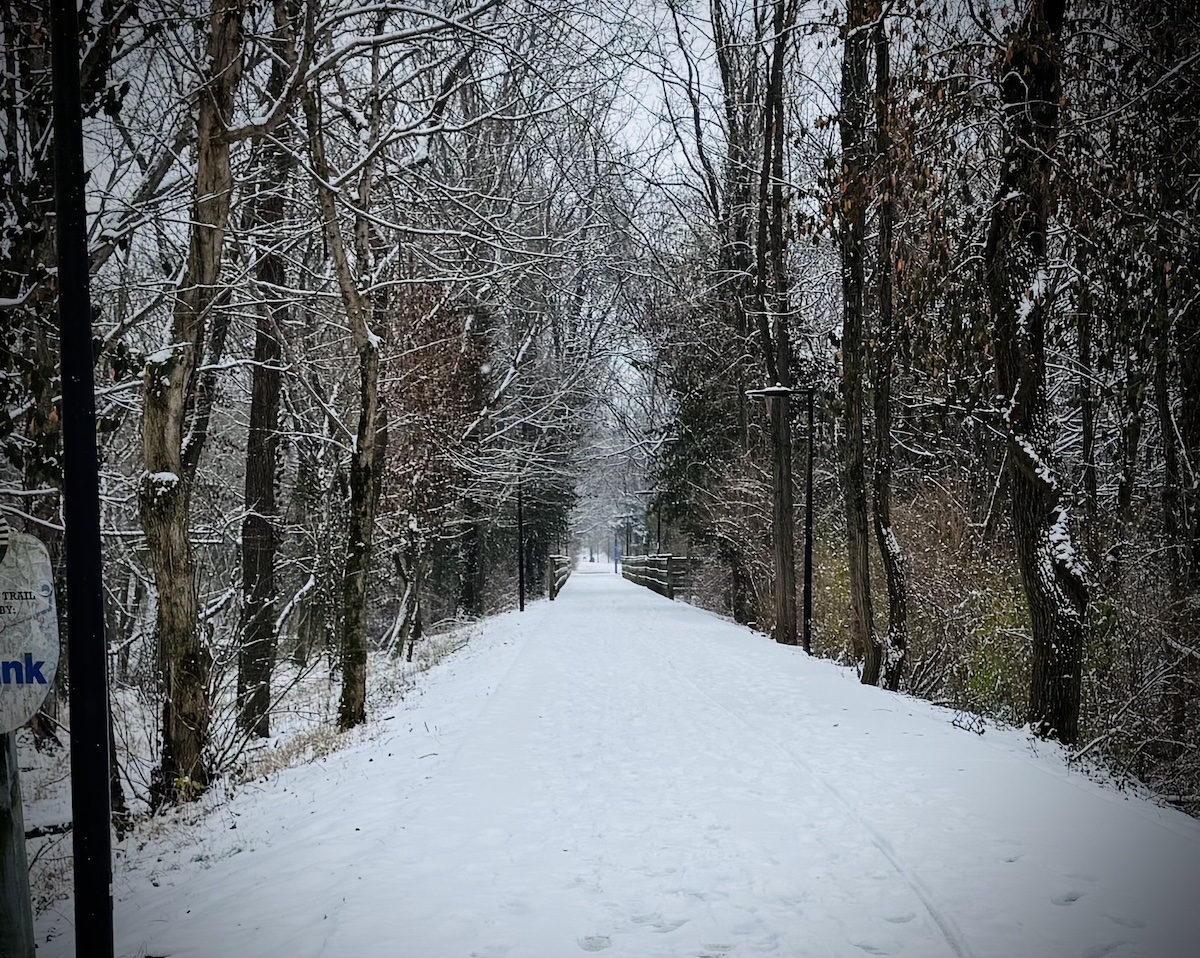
808,530
520,549
86,651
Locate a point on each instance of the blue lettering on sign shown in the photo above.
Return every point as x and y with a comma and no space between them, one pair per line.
28,672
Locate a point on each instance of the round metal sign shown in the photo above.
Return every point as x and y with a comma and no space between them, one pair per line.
28,627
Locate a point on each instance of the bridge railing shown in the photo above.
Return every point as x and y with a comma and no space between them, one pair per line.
560,571
668,575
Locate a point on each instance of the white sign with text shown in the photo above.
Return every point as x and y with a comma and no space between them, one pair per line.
28,628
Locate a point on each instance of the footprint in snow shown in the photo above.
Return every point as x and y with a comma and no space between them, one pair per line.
1068,898
595,943
658,924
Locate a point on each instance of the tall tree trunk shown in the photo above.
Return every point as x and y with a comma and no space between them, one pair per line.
1085,310
366,459
885,348
1173,520
170,383
852,215
735,221
1132,419
1187,352
471,586
256,657
1015,259
773,308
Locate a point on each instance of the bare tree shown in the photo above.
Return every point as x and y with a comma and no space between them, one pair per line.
1021,298
170,395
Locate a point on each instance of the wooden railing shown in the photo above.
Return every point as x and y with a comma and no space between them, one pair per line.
667,575
560,572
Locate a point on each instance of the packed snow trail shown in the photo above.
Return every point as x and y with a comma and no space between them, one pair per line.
613,772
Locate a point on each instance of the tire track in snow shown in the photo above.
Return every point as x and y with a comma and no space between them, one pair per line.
946,925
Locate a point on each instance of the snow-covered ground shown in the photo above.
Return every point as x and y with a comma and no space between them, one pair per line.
613,772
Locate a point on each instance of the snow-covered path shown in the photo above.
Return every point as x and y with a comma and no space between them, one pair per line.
617,773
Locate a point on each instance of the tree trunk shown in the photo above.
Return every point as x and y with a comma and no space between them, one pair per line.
471,587
1085,312
364,498
371,435
1015,259
256,657
852,213
885,347
772,303
170,382
1187,351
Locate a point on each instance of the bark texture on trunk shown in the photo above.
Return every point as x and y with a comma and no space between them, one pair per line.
170,459
852,214
737,214
256,657
366,459
885,346
1015,260
773,308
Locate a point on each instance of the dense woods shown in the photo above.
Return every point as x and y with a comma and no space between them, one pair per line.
361,273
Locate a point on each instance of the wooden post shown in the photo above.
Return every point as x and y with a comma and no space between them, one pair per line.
16,912
781,518
808,531
520,550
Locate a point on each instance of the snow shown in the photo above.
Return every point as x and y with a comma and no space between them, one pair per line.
1041,468
1062,546
892,545
614,772
1031,298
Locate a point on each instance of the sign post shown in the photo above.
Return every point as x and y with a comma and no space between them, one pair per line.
91,810
28,663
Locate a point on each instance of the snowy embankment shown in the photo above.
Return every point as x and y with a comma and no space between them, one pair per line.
617,773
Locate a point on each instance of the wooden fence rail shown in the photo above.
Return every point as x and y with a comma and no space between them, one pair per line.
667,575
560,572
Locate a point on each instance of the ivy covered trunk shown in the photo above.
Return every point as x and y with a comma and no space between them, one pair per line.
1020,299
